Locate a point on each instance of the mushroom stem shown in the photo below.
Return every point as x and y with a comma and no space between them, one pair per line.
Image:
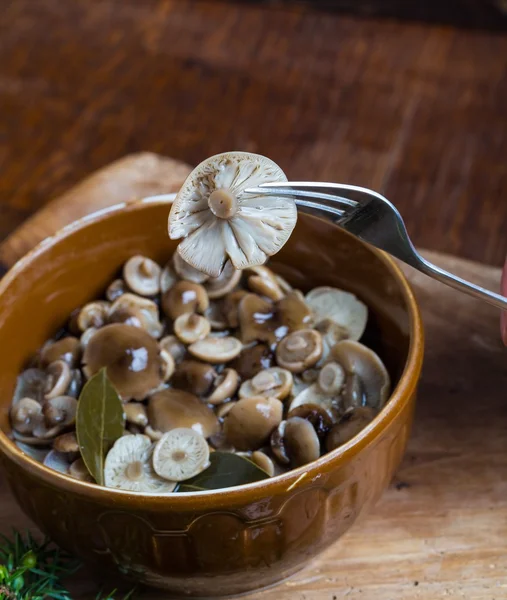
223,203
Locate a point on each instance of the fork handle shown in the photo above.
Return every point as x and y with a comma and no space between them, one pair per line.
460,284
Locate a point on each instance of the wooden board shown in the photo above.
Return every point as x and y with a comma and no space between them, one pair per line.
440,530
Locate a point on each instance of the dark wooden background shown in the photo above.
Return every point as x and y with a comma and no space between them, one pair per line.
416,111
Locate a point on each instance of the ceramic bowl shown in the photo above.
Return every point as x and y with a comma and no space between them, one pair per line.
229,541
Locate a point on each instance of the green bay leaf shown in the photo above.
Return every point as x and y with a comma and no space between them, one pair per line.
225,470
99,422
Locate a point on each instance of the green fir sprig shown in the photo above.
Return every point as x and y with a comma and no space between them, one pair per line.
32,570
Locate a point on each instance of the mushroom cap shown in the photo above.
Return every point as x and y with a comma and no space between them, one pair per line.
331,378
171,344
66,443
87,336
263,461
194,377
93,314
67,349
231,307
223,410
115,289
153,434
218,287
57,461
187,271
185,297
314,395
331,333
131,357
180,454
58,379
135,413
167,278
215,315
271,383
31,383
128,467
253,359
78,470
316,415
294,312
224,387
216,350
250,422
137,311
142,275
170,409
30,440
277,444
219,220
352,422
301,441
59,412
299,350
341,307
168,365
191,327
357,359
265,287
25,414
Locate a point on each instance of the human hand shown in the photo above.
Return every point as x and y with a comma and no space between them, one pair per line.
503,323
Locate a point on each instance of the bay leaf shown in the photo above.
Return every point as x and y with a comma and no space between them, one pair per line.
99,422
225,470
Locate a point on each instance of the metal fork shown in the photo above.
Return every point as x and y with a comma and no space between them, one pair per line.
373,219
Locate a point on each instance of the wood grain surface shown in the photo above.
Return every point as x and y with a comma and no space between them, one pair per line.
412,110
440,531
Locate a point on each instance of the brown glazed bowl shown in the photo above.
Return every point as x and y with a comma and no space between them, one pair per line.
229,541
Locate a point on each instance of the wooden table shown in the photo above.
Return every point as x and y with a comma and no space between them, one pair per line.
415,111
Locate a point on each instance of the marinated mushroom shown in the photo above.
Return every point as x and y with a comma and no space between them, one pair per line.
313,394
231,307
352,422
331,378
167,365
316,415
171,408
131,356
187,271
93,314
116,289
265,287
185,297
359,360
87,336
215,315
301,441
277,444
271,383
223,409
331,333
25,415
58,379
128,467
194,376
341,307
176,349
167,278
67,349
250,422
30,384
59,412
66,443
299,350
153,434
76,383
180,454
135,413
264,462
216,350
142,275
78,470
218,287
218,220
190,327
138,312
253,359
224,387
56,461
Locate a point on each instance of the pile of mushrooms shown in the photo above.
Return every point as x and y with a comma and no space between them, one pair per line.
238,363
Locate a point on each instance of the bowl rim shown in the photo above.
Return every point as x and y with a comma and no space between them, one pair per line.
291,480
